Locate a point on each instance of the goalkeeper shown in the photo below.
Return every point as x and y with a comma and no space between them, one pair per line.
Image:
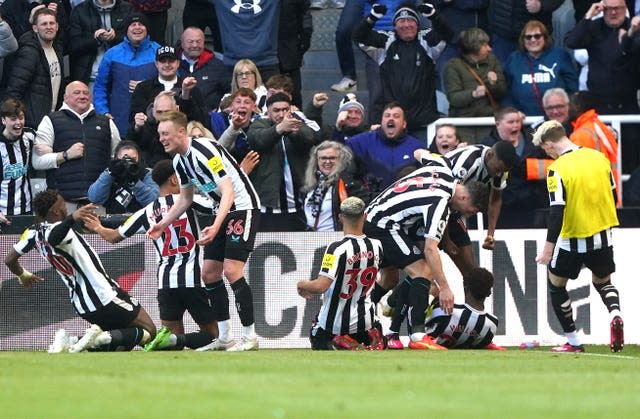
126,185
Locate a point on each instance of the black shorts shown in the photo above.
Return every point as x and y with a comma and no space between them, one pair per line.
400,248
567,264
118,314
457,230
173,302
236,237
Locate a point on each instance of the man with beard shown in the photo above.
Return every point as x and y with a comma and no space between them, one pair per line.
387,150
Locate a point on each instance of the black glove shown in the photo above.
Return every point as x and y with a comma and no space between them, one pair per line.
377,11
133,173
426,9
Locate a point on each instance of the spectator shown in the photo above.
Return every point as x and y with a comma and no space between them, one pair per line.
20,14
461,15
202,14
508,17
203,163
246,74
283,142
122,68
555,102
525,191
74,145
294,39
36,69
242,114
250,31
144,130
117,321
212,75
537,67
407,60
387,150
612,67
179,283
198,130
446,139
344,299
157,15
469,326
187,95
474,81
96,26
16,144
328,182
8,42
350,120
589,131
581,215
125,186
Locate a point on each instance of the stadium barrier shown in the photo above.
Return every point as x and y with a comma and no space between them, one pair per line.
29,318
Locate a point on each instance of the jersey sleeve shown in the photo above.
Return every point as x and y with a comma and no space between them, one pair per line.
330,262
137,222
555,188
203,205
500,182
435,219
27,241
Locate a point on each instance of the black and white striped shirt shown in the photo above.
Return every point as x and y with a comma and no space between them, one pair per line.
465,328
77,263
419,199
178,253
15,189
467,164
352,264
205,164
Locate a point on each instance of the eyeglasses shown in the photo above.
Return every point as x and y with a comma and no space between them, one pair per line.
328,158
244,74
555,107
617,9
535,36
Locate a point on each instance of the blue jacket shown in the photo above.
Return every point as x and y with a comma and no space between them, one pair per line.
119,65
382,157
103,191
554,68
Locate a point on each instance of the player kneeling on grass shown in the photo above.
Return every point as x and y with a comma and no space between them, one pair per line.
180,287
118,322
468,326
349,270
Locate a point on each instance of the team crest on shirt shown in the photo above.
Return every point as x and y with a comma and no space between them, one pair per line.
328,261
552,184
215,164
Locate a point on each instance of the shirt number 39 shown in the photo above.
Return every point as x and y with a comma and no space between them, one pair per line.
365,277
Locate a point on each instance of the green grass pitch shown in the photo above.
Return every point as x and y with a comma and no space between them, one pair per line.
299,383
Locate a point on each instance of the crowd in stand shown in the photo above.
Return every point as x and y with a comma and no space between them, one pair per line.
94,98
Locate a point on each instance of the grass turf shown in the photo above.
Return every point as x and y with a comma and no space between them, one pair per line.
305,384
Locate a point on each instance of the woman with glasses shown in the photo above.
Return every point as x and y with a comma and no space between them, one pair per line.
329,180
246,74
537,67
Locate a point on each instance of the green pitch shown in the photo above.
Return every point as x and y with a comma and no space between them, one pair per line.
306,384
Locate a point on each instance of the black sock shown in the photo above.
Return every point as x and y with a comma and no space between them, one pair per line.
123,339
418,303
562,307
195,340
377,293
244,301
219,300
609,294
401,293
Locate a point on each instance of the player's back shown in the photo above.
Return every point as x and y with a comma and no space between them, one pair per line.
465,328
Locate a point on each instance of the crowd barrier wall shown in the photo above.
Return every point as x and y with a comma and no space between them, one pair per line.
29,318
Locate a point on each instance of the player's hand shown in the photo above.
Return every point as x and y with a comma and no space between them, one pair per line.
489,243
155,231
545,255
250,161
207,235
84,211
446,300
28,280
4,219
302,292
91,221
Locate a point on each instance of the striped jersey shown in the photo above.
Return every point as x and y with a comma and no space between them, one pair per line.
581,180
419,199
467,164
352,264
464,328
15,189
205,164
77,263
178,254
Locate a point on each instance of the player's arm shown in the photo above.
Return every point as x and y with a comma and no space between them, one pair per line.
180,206
307,288
26,278
227,196
432,256
493,212
92,222
556,216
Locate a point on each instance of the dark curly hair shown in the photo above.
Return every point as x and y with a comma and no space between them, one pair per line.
478,282
43,202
